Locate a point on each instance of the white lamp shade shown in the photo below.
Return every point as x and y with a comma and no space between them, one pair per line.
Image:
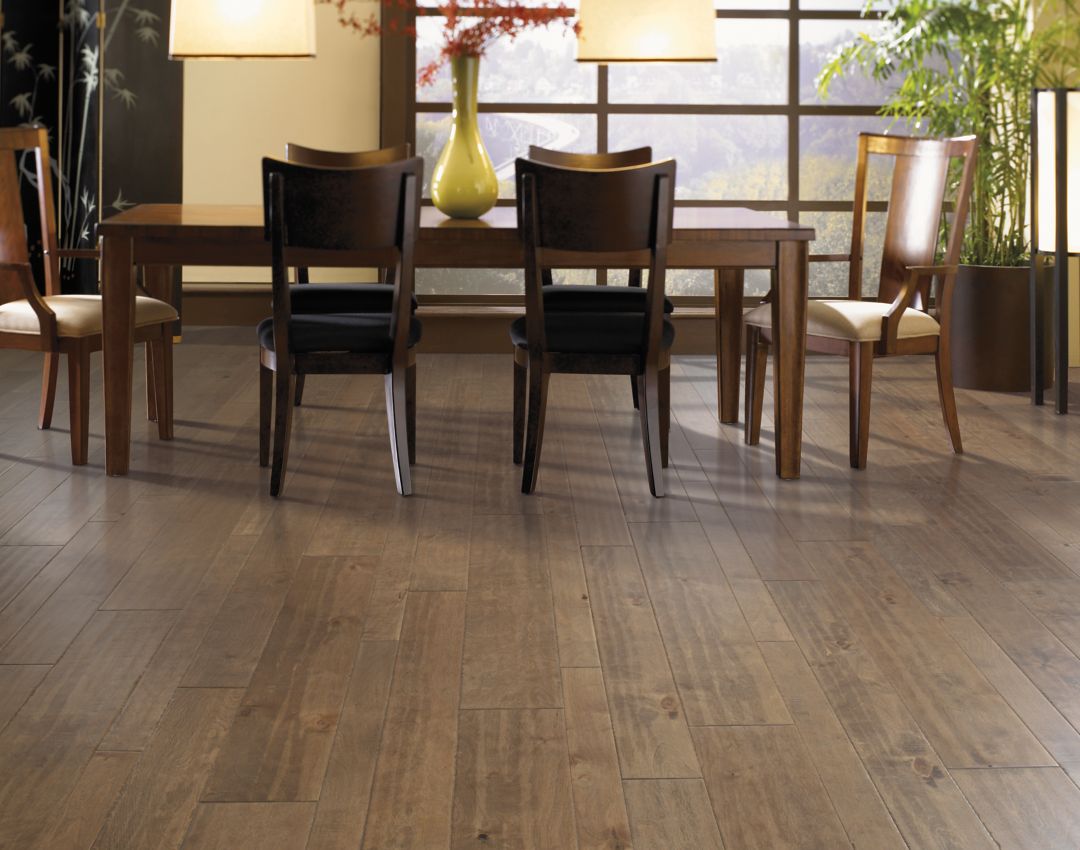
242,29
1046,174
647,31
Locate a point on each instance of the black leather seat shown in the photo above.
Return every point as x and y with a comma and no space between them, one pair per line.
343,298
600,299
352,332
589,333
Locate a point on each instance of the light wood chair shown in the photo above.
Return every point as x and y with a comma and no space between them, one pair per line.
340,217
344,297
576,218
64,324
902,319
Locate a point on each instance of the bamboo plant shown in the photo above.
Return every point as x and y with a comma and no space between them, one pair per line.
955,67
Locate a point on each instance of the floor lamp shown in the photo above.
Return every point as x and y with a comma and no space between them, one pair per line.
1055,225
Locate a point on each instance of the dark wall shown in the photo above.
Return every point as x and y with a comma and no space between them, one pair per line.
63,71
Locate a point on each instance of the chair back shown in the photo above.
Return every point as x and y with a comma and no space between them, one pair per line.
575,218
343,217
345,159
567,159
916,206
26,150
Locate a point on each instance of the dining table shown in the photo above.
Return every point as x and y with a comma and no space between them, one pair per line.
157,238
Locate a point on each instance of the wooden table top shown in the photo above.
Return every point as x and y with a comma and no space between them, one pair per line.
245,223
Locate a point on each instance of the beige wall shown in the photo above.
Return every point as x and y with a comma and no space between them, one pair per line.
235,113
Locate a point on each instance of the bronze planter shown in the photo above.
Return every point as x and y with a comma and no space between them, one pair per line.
991,328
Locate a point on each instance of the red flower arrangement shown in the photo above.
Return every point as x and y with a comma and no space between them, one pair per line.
471,27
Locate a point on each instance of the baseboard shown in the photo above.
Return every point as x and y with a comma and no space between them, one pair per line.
448,329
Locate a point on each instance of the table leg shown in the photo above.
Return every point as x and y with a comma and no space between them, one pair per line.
118,343
158,283
789,353
728,294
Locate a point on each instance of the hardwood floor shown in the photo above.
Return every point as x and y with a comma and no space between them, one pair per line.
879,659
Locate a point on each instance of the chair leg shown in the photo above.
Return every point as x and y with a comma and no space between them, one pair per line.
948,400
410,409
396,417
534,434
521,389
757,358
266,406
649,413
283,408
151,384
79,403
48,388
860,368
634,392
163,383
299,398
664,402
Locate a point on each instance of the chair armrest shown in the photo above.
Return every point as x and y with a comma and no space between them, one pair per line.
830,258
46,317
890,322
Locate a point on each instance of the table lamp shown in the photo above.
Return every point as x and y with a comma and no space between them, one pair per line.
647,31
1055,224
242,29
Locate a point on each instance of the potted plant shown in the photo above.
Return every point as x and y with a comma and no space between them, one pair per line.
955,67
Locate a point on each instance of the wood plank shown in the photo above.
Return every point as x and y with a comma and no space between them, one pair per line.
133,727
967,722
78,821
646,713
250,826
511,657
47,634
19,565
346,790
859,806
764,789
671,814
594,764
278,747
1025,808
413,787
513,782
17,683
718,667
160,796
45,747
925,803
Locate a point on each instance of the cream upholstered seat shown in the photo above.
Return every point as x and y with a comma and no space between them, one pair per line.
78,315
855,321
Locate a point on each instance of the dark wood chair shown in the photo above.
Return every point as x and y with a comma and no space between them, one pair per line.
600,297
902,319
576,218
64,324
340,218
342,297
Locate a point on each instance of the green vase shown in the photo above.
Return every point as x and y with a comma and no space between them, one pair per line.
463,184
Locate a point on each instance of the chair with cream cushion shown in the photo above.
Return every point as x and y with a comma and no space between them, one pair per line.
63,324
902,319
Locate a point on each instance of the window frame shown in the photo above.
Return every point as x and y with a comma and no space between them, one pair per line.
399,107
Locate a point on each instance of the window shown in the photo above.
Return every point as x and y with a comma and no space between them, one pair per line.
748,130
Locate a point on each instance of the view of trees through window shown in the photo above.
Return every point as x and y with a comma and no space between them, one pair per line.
745,130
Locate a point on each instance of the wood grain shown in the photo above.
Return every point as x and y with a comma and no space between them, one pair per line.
413,787
513,782
594,764
671,814
1025,808
646,713
249,826
278,747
